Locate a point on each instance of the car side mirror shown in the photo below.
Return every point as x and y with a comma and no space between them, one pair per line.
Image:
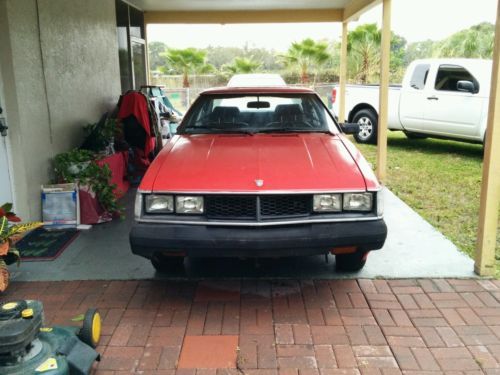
349,128
466,86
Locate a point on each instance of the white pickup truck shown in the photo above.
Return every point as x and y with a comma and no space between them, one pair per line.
439,98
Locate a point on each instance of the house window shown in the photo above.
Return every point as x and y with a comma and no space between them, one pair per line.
131,46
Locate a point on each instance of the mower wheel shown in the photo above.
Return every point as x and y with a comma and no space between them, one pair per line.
90,333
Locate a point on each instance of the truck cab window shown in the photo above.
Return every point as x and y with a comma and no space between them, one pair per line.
448,76
419,76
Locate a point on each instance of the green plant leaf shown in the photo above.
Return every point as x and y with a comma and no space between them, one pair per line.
78,318
4,227
16,254
7,207
21,228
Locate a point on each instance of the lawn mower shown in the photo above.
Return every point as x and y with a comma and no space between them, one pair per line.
27,347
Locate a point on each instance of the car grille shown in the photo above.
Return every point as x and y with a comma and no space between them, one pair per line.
231,207
261,207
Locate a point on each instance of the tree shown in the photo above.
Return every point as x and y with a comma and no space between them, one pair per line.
397,57
474,42
242,65
306,55
186,61
419,50
155,49
363,47
219,56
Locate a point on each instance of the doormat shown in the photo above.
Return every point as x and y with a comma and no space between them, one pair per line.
42,244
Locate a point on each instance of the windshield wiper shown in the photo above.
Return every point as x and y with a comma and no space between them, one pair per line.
214,130
292,130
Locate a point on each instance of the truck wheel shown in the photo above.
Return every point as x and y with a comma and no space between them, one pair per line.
163,263
90,333
368,123
350,262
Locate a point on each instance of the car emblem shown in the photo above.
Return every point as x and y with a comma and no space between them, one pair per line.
259,183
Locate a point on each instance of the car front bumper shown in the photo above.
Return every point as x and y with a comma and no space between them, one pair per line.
292,240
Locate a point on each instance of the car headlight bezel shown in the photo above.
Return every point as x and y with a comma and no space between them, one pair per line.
164,202
358,202
196,205
380,203
320,203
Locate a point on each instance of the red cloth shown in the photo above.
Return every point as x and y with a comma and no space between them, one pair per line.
117,163
91,211
135,103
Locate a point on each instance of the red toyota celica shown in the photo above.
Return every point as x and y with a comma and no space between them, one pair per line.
259,172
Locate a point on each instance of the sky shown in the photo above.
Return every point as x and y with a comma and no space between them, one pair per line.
415,20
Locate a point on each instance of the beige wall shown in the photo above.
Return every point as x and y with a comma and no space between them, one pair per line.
59,63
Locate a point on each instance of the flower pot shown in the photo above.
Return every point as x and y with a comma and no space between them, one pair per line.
4,279
4,248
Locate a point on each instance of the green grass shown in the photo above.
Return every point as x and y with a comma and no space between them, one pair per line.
441,180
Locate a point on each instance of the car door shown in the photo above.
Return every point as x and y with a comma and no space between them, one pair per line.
448,111
413,99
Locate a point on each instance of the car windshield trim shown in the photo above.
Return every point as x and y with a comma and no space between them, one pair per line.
215,130
293,130
231,113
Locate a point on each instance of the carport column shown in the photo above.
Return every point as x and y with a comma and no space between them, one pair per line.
490,188
385,49
343,72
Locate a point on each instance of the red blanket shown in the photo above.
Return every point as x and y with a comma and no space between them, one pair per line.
135,103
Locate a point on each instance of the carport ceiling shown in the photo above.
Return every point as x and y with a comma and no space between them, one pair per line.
255,11
213,5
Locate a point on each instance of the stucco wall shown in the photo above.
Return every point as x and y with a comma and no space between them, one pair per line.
60,69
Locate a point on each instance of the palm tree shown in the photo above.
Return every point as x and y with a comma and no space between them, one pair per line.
187,61
306,55
364,53
477,41
242,65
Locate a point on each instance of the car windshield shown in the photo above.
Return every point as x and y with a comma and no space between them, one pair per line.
253,113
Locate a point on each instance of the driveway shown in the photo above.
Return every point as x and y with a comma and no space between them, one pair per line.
296,327
414,249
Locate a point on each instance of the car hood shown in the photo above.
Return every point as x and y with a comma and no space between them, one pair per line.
240,163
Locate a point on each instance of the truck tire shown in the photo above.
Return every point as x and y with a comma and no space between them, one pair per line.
368,124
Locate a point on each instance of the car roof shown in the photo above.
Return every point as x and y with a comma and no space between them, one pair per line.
258,90
256,80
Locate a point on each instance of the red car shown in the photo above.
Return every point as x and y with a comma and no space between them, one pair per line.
258,172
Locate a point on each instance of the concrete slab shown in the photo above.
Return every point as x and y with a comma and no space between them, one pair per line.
414,249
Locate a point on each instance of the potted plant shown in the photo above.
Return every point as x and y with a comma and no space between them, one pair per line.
80,166
71,164
9,235
100,137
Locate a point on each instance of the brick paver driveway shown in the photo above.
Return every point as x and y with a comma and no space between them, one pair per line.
285,327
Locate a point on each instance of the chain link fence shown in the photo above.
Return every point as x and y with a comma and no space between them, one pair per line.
182,98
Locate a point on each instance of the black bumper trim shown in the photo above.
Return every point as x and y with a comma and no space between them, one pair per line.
207,241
